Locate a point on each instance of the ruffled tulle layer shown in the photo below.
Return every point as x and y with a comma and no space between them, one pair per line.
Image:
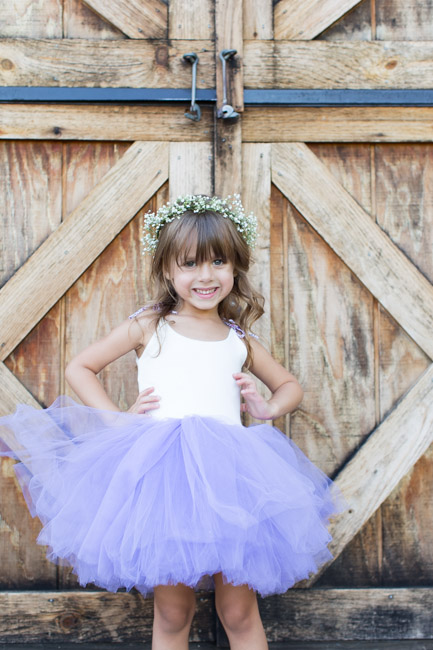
131,501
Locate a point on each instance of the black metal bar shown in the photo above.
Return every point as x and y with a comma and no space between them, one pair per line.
339,97
92,95
279,97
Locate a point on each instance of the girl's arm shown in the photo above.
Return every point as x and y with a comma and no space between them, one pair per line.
81,371
286,392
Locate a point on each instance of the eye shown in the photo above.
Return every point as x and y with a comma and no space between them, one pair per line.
218,262
189,264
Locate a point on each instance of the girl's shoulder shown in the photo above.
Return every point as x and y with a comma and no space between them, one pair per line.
143,322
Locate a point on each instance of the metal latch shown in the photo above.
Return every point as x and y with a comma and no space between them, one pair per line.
194,112
227,112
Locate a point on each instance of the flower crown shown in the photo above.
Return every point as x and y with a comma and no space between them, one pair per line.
232,209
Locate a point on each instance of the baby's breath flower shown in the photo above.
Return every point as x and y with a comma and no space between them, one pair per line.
231,208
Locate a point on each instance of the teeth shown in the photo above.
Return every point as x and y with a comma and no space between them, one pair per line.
205,291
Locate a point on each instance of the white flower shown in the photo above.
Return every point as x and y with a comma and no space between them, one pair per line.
153,222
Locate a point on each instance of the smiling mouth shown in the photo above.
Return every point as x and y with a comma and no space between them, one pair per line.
205,292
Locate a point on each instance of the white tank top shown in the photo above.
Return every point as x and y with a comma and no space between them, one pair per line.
193,377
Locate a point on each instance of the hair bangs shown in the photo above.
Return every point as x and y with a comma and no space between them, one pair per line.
203,237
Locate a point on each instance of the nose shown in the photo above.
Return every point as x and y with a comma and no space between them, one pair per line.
205,271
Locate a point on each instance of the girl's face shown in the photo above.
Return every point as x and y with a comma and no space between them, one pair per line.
201,286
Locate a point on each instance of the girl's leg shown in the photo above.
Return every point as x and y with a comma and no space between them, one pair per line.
174,608
238,611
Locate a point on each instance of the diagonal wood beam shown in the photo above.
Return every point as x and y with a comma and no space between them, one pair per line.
76,243
302,20
387,455
12,392
135,18
386,272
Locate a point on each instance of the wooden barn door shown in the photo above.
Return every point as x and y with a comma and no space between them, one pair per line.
344,197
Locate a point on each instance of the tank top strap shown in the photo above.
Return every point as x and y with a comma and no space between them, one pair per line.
238,329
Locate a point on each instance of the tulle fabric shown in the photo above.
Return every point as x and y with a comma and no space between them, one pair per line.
131,501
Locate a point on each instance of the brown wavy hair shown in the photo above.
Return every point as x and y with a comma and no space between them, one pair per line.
214,236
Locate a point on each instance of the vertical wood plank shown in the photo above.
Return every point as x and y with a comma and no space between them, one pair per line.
191,20
256,197
191,166
30,184
229,35
31,18
398,20
332,350
405,211
258,19
228,137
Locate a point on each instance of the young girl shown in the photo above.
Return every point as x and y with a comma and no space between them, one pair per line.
177,491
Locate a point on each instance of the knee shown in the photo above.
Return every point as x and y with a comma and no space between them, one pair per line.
174,617
237,617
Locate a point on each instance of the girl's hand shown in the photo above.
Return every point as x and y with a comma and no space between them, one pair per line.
255,404
145,402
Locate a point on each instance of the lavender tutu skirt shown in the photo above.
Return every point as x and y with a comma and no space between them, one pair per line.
132,501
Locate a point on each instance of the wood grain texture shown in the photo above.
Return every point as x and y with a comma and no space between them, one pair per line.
191,20
256,195
31,19
298,21
101,63
331,329
343,64
258,19
99,122
383,460
229,35
227,158
13,392
57,263
337,124
89,616
135,18
356,25
320,614
404,211
398,20
360,243
79,21
191,167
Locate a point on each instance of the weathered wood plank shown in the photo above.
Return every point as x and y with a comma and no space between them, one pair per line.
89,616
13,392
258,19
340,614
342,64
398,20
360,243
229,35
135,18
191,20
31,19
256,197
356,25
404,210
337,124
98,122
331,615
268,124
191,166
383,460
79,21
304,20
58,262
331,324
89,63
